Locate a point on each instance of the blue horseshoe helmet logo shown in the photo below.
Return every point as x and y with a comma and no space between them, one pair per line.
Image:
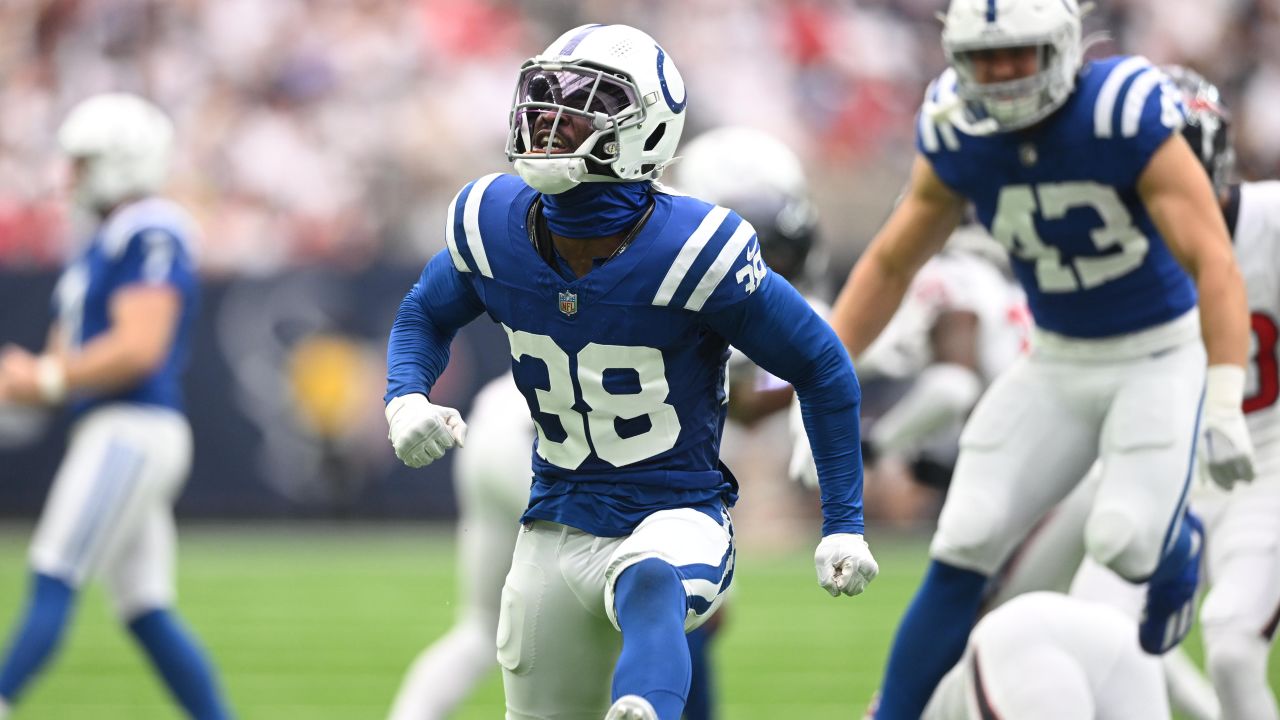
676,107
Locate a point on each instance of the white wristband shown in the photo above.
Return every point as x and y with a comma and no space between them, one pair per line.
51,378
1224,388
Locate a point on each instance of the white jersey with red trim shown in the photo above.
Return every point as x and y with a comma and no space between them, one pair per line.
953,281
1257,246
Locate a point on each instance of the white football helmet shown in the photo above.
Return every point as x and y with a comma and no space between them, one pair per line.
124,144
760,178
1051,26
616,82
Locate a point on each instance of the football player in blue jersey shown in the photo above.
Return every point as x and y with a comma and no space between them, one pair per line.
1080,171
619,301
124,312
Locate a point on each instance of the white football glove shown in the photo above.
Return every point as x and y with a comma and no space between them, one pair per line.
844,564
1226,453
421,432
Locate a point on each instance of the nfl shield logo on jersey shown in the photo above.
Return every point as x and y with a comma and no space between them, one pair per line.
568,303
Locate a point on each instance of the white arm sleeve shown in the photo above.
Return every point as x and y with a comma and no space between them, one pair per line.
944,393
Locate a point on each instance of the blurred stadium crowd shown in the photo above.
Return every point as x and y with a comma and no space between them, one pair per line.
332,131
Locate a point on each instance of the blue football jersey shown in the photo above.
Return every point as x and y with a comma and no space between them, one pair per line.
1062,197
144,242
624,369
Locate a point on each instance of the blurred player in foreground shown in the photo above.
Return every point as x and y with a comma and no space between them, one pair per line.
619,301
124,312
1047,656
1079,170
1240,612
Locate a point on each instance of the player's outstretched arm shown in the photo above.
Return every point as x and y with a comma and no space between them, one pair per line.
915,231
143,321
1178,196
440,303
778,331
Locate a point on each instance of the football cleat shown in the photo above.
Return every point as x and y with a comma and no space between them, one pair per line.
631,707
1171,604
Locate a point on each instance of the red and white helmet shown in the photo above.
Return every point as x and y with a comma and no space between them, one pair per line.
1051,26
619,80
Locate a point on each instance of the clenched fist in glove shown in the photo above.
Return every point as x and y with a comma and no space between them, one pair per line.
1226,453
421,432
844,564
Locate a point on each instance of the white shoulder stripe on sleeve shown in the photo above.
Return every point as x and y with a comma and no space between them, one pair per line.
928,133
1105,104
471,223
1136,99
458,263
724,261
688,254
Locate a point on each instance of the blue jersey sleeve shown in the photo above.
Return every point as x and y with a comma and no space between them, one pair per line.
1153,111
778,330
155,256
437,306
735,271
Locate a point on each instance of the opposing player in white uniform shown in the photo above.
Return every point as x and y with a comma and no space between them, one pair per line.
492,477
1048,656
1240,613
124,314
962,322
619,301
1080,172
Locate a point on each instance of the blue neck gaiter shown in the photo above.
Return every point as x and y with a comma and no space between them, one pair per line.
595,209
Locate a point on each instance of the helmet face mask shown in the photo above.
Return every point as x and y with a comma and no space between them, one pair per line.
599,105
573,112
975,30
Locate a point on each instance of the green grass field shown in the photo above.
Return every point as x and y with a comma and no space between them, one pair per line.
319,623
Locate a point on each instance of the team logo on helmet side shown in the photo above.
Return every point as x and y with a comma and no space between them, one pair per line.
676,107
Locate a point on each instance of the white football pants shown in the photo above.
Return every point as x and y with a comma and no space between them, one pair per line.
1131,402
558,639
110,511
